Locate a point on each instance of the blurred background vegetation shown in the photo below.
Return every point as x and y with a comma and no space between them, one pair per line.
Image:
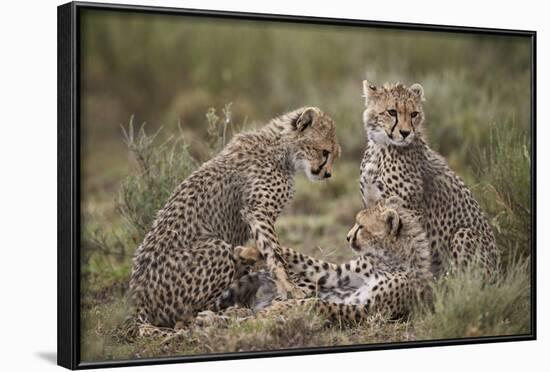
190,79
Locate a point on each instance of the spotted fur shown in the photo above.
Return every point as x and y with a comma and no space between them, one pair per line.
187,258
399,162
392,269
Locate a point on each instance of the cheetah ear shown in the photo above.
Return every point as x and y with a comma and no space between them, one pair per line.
392,222
369,90
418,91
306,119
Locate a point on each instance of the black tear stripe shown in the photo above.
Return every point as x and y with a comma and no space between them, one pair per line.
318,170
394,125
412,124
399,227
355,235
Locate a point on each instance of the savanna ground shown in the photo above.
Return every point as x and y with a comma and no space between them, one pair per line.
196,82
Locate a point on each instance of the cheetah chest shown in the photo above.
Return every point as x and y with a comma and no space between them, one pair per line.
385,173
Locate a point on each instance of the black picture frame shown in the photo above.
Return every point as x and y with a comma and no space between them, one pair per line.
68,319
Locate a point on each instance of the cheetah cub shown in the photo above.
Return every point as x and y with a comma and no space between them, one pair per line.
186,260
399,162
391,272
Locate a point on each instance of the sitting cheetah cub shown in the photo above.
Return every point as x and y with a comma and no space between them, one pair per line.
186,260
399,162
392,270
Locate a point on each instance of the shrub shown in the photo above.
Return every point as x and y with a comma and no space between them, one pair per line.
468,304
161,164
160,168
504,168
106,250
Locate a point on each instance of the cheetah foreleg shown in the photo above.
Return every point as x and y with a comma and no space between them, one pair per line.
263,232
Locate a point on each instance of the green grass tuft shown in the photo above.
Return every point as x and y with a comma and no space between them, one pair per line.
504,168
160,168
468,304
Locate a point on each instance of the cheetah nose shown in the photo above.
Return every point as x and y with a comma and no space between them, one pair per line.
405,133
348,238
328,174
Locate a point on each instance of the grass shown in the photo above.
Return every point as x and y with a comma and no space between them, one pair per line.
505,190
466,304
477,117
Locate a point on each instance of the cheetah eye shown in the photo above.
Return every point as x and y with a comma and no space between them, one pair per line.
360,226
392,113
326,153
414,114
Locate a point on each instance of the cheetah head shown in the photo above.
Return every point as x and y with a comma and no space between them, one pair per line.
376,226
316,145
393,113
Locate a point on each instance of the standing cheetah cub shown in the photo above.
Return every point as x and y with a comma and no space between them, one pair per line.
398,162
186,260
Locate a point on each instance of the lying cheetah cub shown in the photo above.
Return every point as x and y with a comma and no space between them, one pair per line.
399,162
392,270
186,260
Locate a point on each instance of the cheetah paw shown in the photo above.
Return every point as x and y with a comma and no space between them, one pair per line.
291,292
250,254
209,318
